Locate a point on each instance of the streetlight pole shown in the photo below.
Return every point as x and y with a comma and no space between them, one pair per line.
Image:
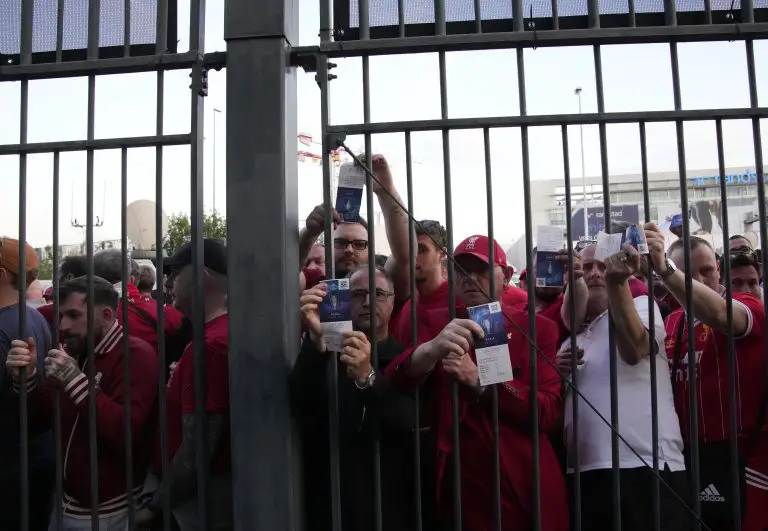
216,112
577,91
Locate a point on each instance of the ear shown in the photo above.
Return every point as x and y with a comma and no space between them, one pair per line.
508,272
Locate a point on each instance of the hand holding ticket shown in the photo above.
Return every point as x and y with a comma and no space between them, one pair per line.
492,351
549,271
336,313
349,194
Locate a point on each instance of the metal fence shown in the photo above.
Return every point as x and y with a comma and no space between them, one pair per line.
262,61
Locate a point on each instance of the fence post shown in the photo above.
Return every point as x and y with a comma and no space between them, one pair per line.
263,271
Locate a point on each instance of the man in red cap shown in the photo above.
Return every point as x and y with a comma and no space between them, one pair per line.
444,355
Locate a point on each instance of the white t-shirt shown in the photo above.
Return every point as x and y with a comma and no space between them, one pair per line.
634,402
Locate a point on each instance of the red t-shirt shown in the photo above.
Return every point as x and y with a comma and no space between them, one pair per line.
712,373
437,301
514,296
181,390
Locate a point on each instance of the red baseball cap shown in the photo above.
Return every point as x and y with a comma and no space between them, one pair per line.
478,246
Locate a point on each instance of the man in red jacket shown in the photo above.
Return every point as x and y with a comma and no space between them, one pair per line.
445,355
66,368
142,314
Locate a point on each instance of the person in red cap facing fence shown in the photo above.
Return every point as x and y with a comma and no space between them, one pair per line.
445,355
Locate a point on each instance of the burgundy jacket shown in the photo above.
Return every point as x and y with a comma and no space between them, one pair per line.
476,430
109,389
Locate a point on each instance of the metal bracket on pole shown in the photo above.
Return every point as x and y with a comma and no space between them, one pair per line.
199,84
335,140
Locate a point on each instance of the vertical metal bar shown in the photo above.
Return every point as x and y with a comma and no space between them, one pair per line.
732,407
518,17
59,30
413,246
534,383
440,17
708,11
323,80
456,456
127,28
58,512
478,17
262,194
125,277
693,442
758,148
377,510
365,21
670,12
162,408
593,12
94,11
632,17
576,465
656,500
555,16
199,91
27,15
492,291
747,12
615,448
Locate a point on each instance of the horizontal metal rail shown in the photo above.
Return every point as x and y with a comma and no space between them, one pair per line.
539,39
550,120
98,144
117,65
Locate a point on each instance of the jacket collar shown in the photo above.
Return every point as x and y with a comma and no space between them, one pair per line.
110,339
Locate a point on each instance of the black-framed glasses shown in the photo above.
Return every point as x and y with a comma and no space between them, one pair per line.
359,295
343,243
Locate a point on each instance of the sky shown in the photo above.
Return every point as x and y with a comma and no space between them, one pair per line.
480,84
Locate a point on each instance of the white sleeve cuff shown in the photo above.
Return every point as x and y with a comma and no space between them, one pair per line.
32,382
747,330
77,388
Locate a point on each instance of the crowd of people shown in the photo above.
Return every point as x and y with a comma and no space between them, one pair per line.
416,429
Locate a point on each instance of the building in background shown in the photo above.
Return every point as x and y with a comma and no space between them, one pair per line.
705,206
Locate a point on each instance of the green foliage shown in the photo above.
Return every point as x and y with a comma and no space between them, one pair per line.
180,230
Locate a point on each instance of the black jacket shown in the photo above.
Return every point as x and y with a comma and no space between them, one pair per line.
362,414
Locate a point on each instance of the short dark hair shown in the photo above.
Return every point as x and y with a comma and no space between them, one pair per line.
696,242
146,278
104,293
75,265
435,230
742,258
108,264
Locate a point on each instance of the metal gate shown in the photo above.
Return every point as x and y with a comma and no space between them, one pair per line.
262,59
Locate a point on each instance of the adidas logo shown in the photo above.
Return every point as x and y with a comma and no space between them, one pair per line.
710,494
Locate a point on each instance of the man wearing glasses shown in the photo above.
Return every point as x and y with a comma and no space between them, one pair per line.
368,405
350,240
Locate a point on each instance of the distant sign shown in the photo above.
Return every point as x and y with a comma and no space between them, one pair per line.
748,177
596,219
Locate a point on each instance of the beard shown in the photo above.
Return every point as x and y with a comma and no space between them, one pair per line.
75,345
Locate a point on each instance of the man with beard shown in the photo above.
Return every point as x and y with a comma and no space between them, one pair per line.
66,368
368,407
445,354
72,266
350,240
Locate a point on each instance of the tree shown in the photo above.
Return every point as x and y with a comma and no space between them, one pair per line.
180,230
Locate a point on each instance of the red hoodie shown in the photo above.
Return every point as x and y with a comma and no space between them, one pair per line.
476,431
109,389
